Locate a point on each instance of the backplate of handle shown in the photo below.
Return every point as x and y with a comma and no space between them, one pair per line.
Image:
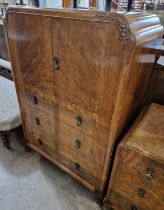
149,174
141,192
56,63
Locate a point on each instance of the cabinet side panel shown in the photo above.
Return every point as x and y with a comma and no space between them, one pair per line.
137,84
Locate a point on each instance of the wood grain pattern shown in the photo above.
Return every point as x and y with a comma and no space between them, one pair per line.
85,64
33,75
139,164
122,203
62,133
155,92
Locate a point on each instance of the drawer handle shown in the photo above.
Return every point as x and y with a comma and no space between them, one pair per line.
40,143
37,121
56,63
79,120
149,174
141,192
35,100
77,144
134,208
77,165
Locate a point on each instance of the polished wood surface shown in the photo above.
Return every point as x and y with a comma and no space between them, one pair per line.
138,171
157,88
79,86
155,91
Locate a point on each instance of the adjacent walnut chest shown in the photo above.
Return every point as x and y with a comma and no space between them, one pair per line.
137,181
79,78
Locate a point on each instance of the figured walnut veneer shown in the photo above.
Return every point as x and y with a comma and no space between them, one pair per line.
138,173
80,76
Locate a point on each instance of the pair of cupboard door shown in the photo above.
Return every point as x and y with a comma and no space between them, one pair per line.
70,61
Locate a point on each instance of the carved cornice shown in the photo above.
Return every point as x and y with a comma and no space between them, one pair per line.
125,34
112,17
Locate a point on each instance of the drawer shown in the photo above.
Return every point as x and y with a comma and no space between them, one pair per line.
70,160
42,121
140,179
85,147
117,202
82,121
67,137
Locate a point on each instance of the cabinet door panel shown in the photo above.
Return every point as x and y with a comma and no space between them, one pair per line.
89,64
31,51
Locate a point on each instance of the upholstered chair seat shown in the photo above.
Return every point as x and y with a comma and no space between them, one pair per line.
10,117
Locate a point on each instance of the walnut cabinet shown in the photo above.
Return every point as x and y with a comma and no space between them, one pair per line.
80,77
138,173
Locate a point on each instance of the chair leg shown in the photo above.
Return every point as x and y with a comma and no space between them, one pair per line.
5,135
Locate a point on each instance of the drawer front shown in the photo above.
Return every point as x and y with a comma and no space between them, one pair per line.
74,117
86,76
42,122
61,141
63,137
71,160
117,202
82,121
140,179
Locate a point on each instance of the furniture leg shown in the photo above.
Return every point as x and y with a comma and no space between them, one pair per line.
5,135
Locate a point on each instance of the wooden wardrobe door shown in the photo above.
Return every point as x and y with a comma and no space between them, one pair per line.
31,49
86,64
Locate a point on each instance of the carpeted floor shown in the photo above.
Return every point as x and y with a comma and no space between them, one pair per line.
28,182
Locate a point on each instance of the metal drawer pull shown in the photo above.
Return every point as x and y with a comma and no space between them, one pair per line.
77,144
141,192
149,174
35,100
56,63
77,165
79,120
37,121
40,143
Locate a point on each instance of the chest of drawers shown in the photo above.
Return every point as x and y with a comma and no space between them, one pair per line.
138,173
79,78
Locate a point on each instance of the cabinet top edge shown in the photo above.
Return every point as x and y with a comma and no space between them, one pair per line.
142,25
137,26
77,13
147,133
